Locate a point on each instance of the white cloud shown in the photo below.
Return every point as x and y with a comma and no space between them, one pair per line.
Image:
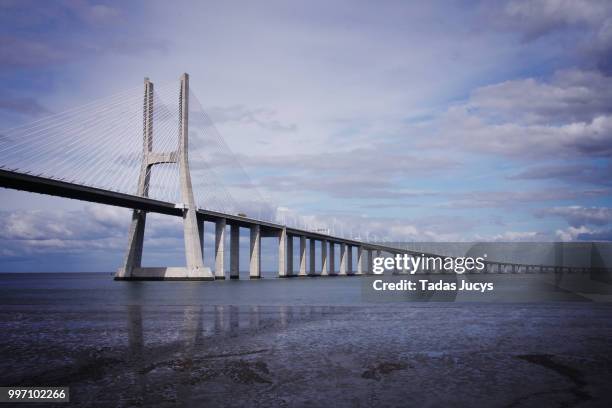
572,233
528,119
512,236
569,96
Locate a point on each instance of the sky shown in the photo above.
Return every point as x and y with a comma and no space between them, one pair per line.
391,120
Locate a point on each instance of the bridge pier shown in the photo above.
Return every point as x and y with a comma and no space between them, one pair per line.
349,259
234,252
312,257
282,253
324,271
359,260
332,259
255,263
302,256
289,255
370,262
342,259
219,248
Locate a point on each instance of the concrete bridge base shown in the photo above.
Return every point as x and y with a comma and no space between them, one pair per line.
169,273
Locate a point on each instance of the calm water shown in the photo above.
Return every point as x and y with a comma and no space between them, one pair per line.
297,342
100,289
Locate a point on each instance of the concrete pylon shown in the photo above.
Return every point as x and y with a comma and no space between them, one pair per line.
255,264
194,270
289,255
332,259
133,258
342,259
349,260
282,253
193,245
220,248
359,260
313,257
324,258
234,252
302,256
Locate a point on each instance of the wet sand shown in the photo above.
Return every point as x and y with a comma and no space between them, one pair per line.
429,354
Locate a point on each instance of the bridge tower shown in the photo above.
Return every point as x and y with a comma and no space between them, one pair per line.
132,267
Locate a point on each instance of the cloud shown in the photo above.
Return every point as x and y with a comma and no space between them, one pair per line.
569,173
517,236
579,27
43,34
25,106
585,223
571,95
492,199
57,226
25,53
378,160
496,119
596,235
573,233
241,114
31,13
577,216
538,18
342,186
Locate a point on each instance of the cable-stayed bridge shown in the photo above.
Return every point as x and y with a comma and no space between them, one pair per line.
159,152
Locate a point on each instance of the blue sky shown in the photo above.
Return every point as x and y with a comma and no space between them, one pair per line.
423,121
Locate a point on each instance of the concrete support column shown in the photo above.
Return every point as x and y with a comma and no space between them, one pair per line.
220,248
302,256
324,258
133,257
342,259
234,252
349,260
360,260
289,255
193,244
370,261
201,234
255,265
282,253
313,256
332,259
